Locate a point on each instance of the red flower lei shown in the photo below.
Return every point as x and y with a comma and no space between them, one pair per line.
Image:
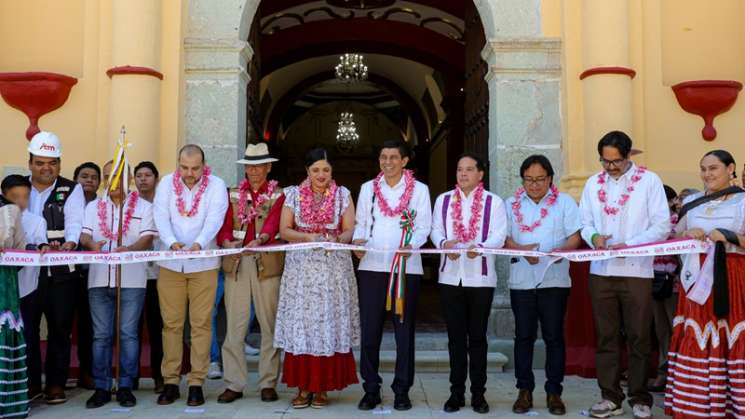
245,214
550,201
405,198
317,215
102,218
603,196
178,186
463,235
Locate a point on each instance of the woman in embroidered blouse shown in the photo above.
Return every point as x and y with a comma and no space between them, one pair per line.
13,381
318,315
706,375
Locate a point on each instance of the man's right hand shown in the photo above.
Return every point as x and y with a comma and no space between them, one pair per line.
97,246
177,246
359,253
600,241
449,245
531,259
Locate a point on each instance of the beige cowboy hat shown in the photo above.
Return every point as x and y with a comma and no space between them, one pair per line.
257,154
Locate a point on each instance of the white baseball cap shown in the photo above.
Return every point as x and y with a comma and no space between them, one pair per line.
45,144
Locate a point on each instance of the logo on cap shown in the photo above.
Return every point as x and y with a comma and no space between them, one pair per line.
45,146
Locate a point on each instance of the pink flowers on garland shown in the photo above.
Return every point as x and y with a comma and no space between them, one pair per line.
317,215
603,196
550,201
103,225
178,186
403,203
246,214
463,235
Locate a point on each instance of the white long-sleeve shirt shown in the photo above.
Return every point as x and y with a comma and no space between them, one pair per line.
479,271
384,232
202,228
35,229
73,210
645,218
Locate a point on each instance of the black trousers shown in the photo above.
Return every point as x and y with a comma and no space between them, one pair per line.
85,326
55,299
152,319
466,311
547,306
372,287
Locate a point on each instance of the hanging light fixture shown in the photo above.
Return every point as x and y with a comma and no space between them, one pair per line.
347,137
351,68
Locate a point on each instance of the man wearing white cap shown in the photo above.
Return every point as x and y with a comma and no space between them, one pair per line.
61,202
252,220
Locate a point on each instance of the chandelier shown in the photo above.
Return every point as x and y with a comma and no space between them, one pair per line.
346,134
351,68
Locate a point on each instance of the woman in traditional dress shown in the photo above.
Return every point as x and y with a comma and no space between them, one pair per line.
706,376
318,315
13,376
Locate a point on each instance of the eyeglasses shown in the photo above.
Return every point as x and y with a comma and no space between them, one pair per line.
616,163
534,180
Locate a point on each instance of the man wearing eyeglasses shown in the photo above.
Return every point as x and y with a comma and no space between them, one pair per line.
623,205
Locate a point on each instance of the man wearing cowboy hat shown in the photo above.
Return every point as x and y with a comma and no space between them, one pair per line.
252,220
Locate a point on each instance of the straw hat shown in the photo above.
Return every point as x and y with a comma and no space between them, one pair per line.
257,154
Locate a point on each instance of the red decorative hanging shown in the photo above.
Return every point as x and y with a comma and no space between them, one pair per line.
707,98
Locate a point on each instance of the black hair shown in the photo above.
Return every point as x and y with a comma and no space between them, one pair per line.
12,181
147,165
190,149
480,164
540,160
670,192
315,155
618,140
723,156
86,165
402,146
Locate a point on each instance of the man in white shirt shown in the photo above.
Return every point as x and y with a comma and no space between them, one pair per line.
100,234
468,217
189,209
379,208
624,205
543,219
61,203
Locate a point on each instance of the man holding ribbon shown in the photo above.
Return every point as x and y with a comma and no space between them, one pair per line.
393,212
468,217
189,209
252,220
624,205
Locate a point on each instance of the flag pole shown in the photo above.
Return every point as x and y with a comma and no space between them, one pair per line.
122,200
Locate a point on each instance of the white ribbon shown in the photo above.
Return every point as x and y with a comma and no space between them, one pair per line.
30,258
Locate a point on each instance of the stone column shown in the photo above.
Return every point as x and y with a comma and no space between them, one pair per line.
135,77
524,118
606,83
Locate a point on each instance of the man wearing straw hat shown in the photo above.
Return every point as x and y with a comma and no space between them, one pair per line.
252,220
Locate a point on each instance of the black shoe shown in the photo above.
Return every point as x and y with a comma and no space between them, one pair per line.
369,401
479,404
402,402
454,403
169,395
98,399
125,397
196,397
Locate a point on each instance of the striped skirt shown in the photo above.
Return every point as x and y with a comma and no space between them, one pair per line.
13,380
706,374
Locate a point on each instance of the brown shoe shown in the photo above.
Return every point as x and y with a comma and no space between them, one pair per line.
524,402
555,405
320,400
269,395
229,396
55,395
302,400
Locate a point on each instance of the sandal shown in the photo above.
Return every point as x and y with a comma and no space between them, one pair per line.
302,400
320,400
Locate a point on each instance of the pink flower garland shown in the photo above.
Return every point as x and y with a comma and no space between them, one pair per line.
405,198
245,214
550,201
102,218
463,235
603,196
178,186
317,215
